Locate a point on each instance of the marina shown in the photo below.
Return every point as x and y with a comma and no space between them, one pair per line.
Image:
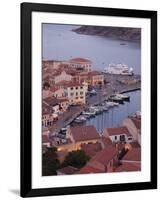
114,113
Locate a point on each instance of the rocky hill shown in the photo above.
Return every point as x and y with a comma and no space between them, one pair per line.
132,34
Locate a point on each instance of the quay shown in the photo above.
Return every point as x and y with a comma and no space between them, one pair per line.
110,88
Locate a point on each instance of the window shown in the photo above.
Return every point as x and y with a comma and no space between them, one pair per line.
76,93
71,94
81,93
71,88
76,88
115,137
81,87
122,138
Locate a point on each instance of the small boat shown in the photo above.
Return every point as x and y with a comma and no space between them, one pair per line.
93,92
80,119
89,113
124,97
122,43
116,99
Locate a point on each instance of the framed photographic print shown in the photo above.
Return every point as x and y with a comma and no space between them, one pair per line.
88,99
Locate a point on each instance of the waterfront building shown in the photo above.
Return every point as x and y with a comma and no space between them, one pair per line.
63,104
61,76
81,64
83,135
118,135
57,92
133,124
93,78
53,103
76,137
48,117
76,92
51,64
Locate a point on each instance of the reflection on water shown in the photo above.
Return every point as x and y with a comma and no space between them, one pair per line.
115,116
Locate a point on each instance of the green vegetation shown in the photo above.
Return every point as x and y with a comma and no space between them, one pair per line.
50,162
76,159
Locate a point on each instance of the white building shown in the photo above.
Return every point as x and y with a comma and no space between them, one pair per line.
81,64
118,135
76,92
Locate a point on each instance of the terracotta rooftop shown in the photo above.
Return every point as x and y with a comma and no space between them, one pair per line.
118,131
54,89
68,170
80,60
63,100
94,73
105,156
51,101
88,169
45,139
106,141
84,133
133,155
91,149
135,144
128,167
46,109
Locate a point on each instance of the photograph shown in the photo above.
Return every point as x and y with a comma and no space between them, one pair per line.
88,99
91,99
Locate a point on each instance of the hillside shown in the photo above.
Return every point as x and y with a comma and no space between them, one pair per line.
132,34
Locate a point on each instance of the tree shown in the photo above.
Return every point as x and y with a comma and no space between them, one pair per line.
76,159
50,162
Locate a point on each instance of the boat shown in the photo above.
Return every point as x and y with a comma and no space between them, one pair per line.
124,97
116,99
89,113
93,92
122,43
80,119
120,69
95,109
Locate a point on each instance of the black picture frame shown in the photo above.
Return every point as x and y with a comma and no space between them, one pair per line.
26,105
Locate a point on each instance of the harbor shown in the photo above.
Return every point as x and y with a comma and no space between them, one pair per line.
114,115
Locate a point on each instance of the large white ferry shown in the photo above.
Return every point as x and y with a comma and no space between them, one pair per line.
121,69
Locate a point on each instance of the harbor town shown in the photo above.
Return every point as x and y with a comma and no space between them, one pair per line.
81,130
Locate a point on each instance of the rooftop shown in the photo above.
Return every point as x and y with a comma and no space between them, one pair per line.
118,131
105,156
91,149
88,169
68,170
51,101
84,133
45,139
46,109
80,60
128,167
133,155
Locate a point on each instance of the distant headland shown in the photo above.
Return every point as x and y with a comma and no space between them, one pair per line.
121,33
